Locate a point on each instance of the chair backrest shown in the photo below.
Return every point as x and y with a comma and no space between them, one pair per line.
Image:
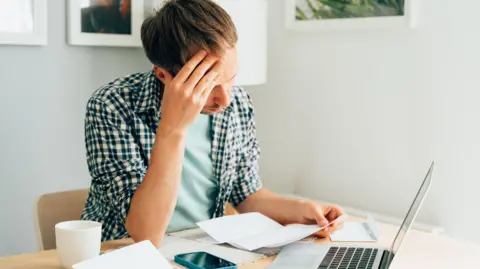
54,208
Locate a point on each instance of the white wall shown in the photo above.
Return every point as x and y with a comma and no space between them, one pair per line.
43,94
356,117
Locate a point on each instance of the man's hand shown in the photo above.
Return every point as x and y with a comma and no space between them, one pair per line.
288,211
313,213
185,96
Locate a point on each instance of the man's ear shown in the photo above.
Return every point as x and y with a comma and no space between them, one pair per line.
163,74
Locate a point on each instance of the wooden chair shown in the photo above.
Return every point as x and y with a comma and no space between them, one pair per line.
54,208
64,206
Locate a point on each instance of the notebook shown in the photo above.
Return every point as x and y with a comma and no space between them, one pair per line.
367,231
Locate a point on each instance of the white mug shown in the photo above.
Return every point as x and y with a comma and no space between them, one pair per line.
77,241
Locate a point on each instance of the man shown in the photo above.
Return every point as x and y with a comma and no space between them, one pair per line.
171,147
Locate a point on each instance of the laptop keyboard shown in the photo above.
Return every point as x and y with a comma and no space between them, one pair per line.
349,258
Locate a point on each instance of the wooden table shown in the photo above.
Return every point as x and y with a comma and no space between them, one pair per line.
419,250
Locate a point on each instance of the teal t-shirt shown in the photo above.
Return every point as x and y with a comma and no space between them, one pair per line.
198,188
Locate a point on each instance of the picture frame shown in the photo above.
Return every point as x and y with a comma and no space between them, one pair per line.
92,24
23,22
403,21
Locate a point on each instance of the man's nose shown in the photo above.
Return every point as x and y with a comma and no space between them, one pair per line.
222,96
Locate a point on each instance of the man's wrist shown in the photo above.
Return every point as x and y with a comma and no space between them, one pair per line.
168,133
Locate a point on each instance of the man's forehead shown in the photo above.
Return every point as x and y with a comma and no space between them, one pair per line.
229,61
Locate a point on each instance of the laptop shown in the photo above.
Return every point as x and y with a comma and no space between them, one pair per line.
312,256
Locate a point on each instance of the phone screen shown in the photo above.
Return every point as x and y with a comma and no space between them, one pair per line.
205,260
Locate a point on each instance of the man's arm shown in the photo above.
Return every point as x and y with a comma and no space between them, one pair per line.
281,209
287,211
184,97
143,198
248,196
154,201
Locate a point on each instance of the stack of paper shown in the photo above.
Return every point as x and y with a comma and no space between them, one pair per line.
252,231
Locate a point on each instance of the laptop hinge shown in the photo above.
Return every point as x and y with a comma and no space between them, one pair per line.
386,260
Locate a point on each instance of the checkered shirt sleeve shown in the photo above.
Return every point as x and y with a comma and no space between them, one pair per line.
114,162
246,179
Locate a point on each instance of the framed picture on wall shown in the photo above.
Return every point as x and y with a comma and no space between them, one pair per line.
105,22
23,22
307,15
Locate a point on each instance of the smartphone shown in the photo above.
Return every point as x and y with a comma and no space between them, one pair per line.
203,260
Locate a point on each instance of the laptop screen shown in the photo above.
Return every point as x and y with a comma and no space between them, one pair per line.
412,212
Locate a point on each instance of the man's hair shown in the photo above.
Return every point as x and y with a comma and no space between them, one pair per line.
174,33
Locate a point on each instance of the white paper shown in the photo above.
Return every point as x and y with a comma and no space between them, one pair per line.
234,255
293,233
208,239
140,255
357,232
233,227
201,236
172,246
191,234
253,231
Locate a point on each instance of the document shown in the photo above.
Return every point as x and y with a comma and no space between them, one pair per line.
229,228
201,236
276,237
252,231
368,231
140,255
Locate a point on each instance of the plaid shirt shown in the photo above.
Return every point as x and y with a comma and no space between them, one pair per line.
120,125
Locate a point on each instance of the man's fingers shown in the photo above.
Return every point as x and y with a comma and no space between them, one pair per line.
205,83
200,71
190,66
324,233
328,231
334,214
206,92
204,88
319,217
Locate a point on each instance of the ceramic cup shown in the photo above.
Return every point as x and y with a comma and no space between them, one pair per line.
77,241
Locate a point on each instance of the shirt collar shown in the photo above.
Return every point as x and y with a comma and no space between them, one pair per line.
150,94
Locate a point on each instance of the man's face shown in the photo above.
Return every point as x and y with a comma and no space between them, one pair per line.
219,98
